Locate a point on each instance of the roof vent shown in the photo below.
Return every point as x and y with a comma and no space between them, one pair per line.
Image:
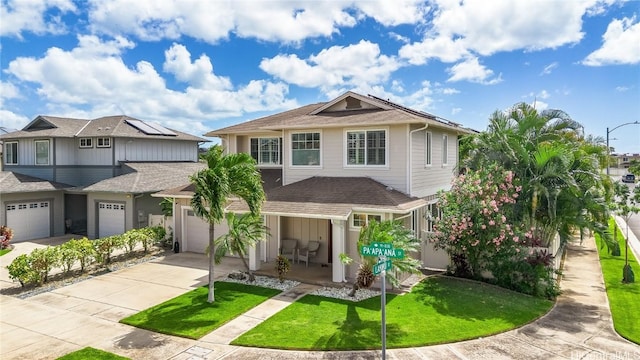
353,103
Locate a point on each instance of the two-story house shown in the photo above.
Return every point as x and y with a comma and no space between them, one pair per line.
91,177
330,168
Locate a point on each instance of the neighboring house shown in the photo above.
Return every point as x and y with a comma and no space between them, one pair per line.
623,161
91,177
329,169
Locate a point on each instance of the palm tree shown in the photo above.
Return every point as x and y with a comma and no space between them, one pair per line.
245,231
392,232
225,176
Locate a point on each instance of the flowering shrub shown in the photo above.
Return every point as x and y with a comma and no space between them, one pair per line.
480,231
6,234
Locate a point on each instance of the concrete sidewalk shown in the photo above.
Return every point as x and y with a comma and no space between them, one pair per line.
52,324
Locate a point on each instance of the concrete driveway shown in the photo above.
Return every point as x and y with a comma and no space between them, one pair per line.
52,324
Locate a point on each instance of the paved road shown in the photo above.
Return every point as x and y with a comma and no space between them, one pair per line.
52,324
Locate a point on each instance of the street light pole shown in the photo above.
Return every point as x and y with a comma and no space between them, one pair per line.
608,132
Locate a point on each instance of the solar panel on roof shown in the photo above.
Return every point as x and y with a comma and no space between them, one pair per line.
150,128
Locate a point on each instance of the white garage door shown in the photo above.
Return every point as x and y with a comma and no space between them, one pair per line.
110,219
30,220
196,232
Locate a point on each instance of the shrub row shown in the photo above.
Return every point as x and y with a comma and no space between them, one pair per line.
35,267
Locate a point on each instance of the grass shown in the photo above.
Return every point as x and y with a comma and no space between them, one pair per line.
93,354
191,316
438,310
5,251
623,298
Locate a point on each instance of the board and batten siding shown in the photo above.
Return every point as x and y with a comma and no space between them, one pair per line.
155,150
429,179
333,158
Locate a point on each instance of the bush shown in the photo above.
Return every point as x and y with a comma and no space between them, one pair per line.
6,234
84,250
42,261
148,237
20,270
106,246
131,240
68,255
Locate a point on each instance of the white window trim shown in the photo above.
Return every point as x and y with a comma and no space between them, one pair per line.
360,166
290,143
35,153
6,159
280,150
445,150
428,149
103,146
85,146
352,217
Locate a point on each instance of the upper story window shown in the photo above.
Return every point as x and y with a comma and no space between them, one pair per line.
362,219
86,143
267,151
305,149
103,142
42,152
366,147
428,139
445,149
11,153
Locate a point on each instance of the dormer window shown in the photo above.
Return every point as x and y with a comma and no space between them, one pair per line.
86,143
103,142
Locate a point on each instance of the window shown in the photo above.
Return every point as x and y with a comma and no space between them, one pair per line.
86,143
42,152
103,142
11,153
427,148
361,219
430,215
366,147
267,151
305,148
445,149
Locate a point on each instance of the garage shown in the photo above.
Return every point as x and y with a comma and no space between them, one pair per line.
29,220
110,219
196,232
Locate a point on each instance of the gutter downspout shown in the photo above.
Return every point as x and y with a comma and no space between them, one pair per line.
409,167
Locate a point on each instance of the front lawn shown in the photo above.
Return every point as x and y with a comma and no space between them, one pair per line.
93,354
438,310
5,251
623,298
190,315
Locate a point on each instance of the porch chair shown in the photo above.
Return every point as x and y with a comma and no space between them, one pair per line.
308,252
288,248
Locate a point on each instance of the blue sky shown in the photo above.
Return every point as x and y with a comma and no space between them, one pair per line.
197,65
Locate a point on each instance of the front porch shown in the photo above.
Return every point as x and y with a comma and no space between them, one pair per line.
315,274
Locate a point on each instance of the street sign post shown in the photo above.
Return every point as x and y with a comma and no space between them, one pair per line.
384,252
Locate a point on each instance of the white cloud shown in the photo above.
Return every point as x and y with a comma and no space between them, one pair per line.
622,88
543,94
456,110
460,29
11,120
549,68
471,70
285,21
539,105
92,79
359,65
450,91
621,44
37,16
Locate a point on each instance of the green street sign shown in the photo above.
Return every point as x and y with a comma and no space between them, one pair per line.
381,265
381,249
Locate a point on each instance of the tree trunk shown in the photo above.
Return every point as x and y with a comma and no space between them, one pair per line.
252,277
211,296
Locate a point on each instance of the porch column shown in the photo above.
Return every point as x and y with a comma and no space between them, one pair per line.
254,259
338,247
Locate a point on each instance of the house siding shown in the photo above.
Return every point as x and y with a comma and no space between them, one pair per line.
428,180
83,175
333,158
304,230
154,150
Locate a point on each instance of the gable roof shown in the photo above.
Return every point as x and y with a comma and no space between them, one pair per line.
148,177
108,126
349,109
11,182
